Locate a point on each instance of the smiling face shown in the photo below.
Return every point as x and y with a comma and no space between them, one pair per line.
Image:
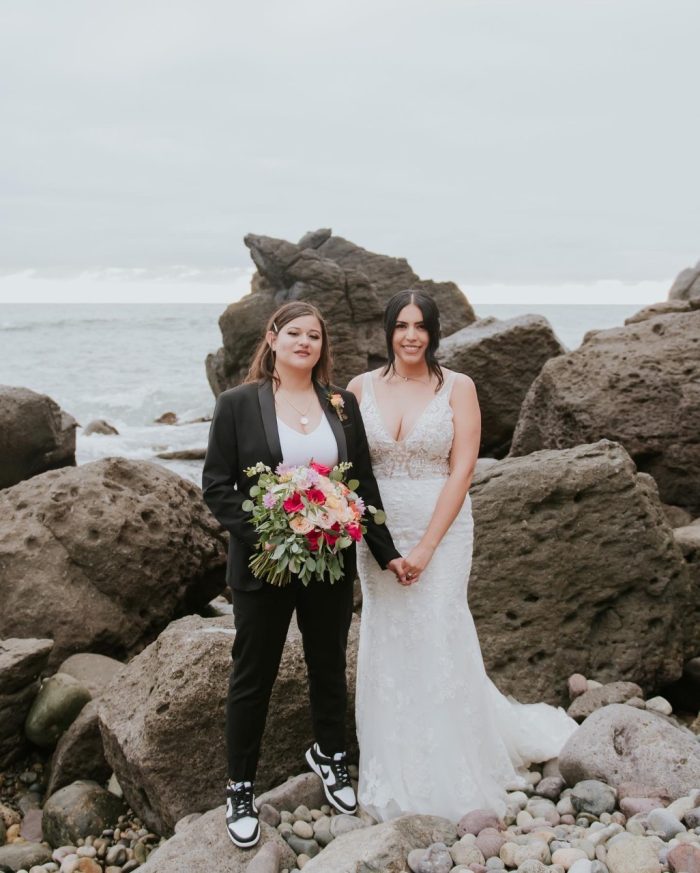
410,338
298,344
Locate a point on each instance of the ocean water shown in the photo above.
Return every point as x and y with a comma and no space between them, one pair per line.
130,363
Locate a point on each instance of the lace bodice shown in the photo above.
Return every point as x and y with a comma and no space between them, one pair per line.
425,452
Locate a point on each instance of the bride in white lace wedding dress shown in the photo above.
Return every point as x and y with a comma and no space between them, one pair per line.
435,734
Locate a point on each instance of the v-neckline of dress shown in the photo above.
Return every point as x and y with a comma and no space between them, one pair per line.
416,423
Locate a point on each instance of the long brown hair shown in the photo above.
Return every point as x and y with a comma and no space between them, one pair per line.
262,367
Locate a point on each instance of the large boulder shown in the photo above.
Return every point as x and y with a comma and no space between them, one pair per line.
686,285
202,847
101,557
620,744
346,282
575,570
35,435
168,705
688,540
21,663
638,385
383,847
503,358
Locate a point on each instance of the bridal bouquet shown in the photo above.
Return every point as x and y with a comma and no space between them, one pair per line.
304,516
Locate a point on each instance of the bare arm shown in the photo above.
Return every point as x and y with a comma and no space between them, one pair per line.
465,451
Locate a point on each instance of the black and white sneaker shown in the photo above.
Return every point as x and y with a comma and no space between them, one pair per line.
335,777
242,822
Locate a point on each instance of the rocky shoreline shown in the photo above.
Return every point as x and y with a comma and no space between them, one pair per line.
115,638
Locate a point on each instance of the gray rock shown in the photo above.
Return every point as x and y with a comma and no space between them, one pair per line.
168,706
268,814
692,818
93,671
619,744
504,358
79,810
676,515
638,385
102,556
203,848
348,284
665,307
22,856
56,706
686,285
664,822
35,435
79,753
593,797
688,540
550,787
612,692
382,847
99,425
618,609
21,662
301,846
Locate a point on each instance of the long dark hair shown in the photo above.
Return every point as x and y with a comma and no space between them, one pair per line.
431,320
262,367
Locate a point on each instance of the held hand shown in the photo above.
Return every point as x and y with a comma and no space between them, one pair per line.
397,568
416,561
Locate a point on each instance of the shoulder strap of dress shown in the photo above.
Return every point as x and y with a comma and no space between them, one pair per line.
449,382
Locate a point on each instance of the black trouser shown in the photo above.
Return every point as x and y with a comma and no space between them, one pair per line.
262,617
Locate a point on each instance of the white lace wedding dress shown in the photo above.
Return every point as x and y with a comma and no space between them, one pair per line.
435,734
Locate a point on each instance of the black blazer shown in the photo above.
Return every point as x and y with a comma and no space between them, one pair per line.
243,432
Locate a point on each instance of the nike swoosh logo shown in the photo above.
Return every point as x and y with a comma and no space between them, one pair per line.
325,772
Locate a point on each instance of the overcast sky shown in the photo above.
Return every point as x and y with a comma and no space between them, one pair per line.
487,141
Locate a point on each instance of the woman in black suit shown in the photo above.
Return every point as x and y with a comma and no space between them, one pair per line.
283,413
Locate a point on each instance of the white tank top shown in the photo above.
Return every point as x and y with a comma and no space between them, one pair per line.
300,448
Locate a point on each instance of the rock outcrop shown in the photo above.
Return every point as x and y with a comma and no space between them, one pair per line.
35,435
686,285
503,358
350,286
167,707
103,556
575,570
638,385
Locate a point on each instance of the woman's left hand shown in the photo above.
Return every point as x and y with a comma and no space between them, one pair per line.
416,561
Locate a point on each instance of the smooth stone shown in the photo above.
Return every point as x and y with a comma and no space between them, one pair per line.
660,705
494,864
489,842
303,812
632,854
665,823
56,706
692,818
593,797
77,810
636,805
583,865
684,857
475,821
550,787
532,866
18,856
301,846
466,853
303,829
513,855
566,857
266,860
680,807
116,856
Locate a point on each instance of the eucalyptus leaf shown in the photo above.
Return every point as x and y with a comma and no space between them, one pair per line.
248,506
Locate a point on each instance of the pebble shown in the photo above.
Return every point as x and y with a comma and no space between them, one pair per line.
659,704
665,823
593,797
303,829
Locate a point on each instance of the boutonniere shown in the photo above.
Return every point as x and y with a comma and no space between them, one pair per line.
338,404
